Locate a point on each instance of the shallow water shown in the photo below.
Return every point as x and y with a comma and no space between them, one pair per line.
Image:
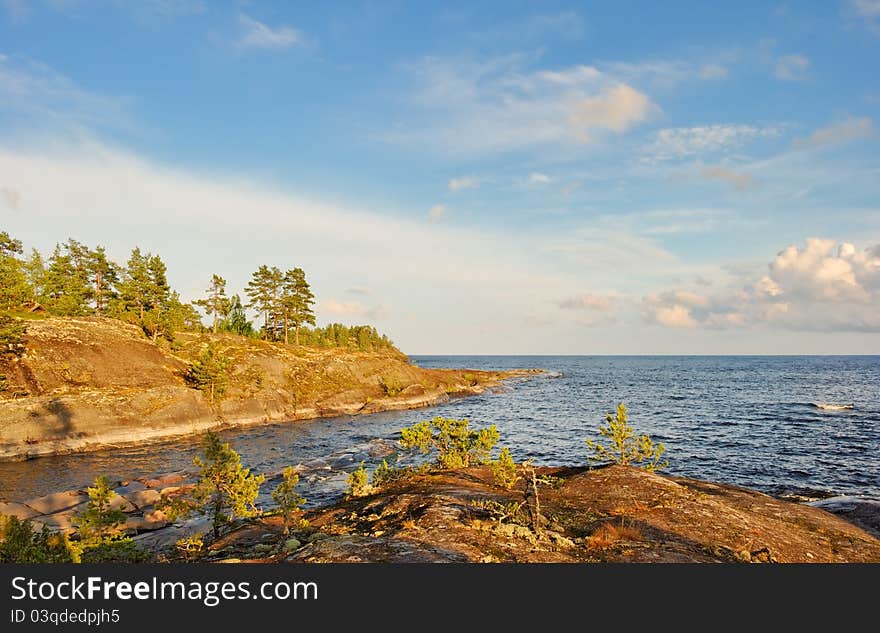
751,421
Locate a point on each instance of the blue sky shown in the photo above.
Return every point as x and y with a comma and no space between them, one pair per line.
510,177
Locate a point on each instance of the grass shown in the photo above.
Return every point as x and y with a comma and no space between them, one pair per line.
611,534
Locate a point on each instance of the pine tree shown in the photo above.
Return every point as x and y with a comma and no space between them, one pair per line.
210,373
237,320
66,284
298,301
104,275
158,294
259,292
35,271
216,303
14,286
225,489
134,289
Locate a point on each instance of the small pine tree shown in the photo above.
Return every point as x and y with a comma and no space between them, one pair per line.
624,447
286,497
225,489
99,523
457,445
210,373
504,470
358,482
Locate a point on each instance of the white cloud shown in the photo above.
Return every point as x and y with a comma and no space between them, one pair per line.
617,109
496,105
38,94
792,67
681,142
437,212
852,129
538,178
255,34
739,180
465,182
822,286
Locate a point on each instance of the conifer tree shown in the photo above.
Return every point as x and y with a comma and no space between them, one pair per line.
259,292
35,271
158,294
297,303
237,320
216,304
104,275
135,284
67,284
14,287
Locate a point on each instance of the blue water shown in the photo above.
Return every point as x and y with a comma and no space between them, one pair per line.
743,420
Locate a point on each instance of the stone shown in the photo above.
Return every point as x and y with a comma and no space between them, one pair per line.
121,503
143,498
129,487
164,481
50,504
292,544
61,521
18,510
146,523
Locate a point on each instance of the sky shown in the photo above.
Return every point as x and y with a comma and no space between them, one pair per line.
471,178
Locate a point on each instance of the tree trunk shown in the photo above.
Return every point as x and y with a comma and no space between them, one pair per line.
296,334
286,341
98,304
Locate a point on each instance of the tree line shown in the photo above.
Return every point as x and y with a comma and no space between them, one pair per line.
76,280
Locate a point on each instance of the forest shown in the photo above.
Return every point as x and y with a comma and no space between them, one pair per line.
77,280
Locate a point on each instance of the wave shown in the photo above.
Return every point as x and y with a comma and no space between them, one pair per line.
832,406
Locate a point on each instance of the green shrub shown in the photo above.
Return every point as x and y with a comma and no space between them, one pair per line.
624,447
456,443
120,550
191,547
504,470
19,543
358,482
286,497
11,336
391,386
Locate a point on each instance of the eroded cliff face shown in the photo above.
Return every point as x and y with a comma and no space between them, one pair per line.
85,383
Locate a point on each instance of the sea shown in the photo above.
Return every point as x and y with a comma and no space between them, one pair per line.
797,427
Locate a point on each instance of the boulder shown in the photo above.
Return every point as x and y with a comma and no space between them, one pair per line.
18,510
50,504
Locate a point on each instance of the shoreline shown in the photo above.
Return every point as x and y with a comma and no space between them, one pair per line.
589,515
128,436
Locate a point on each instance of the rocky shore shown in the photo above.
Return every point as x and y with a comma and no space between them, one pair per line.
613,514
91,383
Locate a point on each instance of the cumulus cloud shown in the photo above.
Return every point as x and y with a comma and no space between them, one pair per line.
822,286
792,67
683,142
255,34
740,181
617,109
498,105
465,182
851,129
437,212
